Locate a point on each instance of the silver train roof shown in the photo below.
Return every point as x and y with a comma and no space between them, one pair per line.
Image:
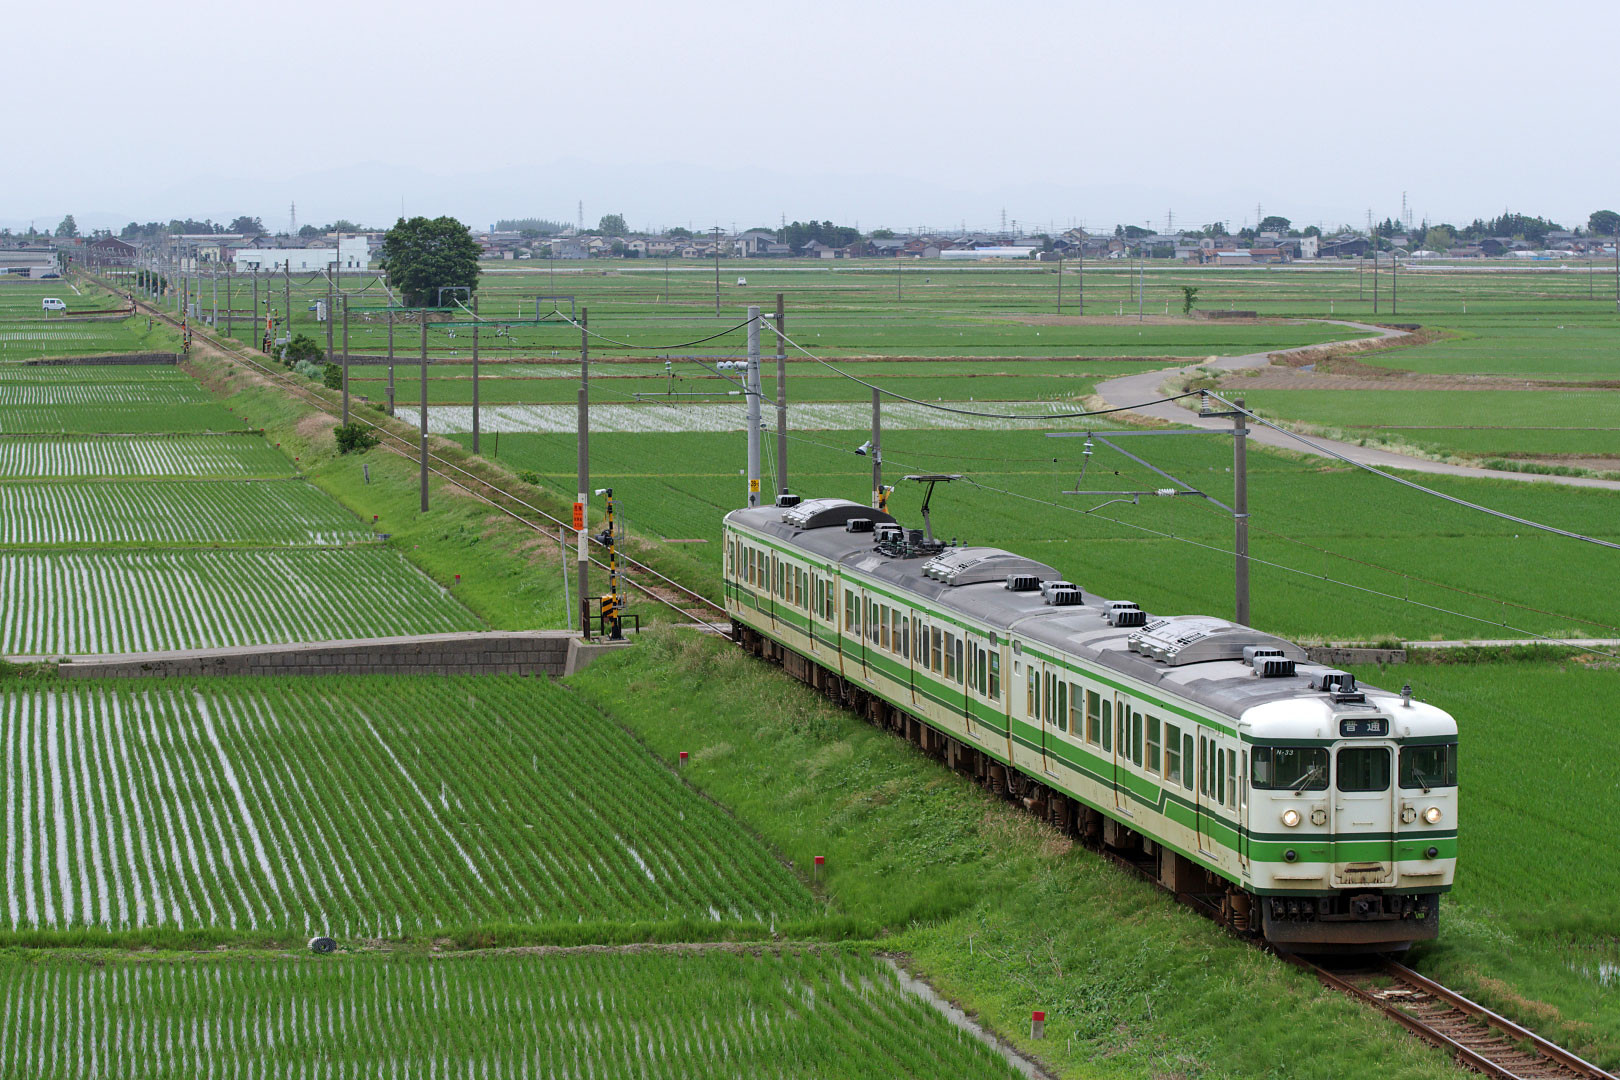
1193,656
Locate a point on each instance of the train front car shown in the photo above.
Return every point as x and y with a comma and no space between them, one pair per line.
1352,817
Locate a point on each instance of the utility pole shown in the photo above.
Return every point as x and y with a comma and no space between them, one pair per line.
1141,283
213,277
329,317
899,268
753,391
230,313
1394,284
1080,274
256,316
345,357
1240,509
390,359
877,449
781,398
286,296
475,374
717,271
1060,285
422,404
581,521
1375,273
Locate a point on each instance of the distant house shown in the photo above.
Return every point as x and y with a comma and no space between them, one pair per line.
1232,257
887,247
110,249
1308,247
1268,255
1346,247
815,249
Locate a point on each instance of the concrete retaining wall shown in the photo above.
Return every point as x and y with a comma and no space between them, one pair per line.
538,652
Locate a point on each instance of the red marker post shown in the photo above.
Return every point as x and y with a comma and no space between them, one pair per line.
683,759
821,860
1037,1024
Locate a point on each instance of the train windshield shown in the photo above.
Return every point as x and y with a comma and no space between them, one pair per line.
1277,768
1429,766
1364,768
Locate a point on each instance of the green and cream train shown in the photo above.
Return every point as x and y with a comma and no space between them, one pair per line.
1317,813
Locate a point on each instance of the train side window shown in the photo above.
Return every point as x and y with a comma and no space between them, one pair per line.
1231,771
1107,725
1220,776
1152,744
950,656
937,639
1136,737
1172,753
1122,730
1203,765
798,588
1060,708
832,600
905,637
972,665
852,613
984,685
995,675
958,660
1187,762
883,625
1032,706
1093,711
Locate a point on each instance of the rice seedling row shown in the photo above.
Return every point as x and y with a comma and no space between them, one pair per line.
117,418
377,807
61,603
150,513
67,394
771,1013
232,456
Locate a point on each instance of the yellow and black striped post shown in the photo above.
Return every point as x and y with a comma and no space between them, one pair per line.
612,619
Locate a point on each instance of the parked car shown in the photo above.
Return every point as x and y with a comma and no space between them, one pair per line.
52,303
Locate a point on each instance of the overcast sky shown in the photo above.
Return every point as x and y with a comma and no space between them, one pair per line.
874,113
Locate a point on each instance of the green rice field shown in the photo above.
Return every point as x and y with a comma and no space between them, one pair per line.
377,807
653,1015
148,513
1497,422
236,457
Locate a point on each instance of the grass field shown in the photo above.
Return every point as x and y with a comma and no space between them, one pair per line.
360,808
150,513
760,1013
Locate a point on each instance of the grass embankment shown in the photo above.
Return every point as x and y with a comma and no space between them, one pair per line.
1533,926
999,912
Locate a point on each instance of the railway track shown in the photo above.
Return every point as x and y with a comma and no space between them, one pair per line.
695,608
1478,1038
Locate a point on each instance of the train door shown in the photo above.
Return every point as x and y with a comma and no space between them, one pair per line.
1122,749
1207,752
773,584
1363,815
813,606
1242,782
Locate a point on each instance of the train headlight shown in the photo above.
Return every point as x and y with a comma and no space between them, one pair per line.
1290,817
1432,815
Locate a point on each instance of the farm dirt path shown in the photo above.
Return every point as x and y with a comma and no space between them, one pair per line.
1135,392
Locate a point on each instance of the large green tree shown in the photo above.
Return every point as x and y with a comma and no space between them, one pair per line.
246,225
612,225
1275,223
1603,223
68,229
423,255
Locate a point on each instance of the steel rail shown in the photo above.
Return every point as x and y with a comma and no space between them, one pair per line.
241,354
1557,1059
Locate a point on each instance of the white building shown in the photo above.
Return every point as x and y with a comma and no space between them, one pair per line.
988,253
352,253
1309,247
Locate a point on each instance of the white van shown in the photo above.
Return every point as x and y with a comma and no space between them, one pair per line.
51,303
